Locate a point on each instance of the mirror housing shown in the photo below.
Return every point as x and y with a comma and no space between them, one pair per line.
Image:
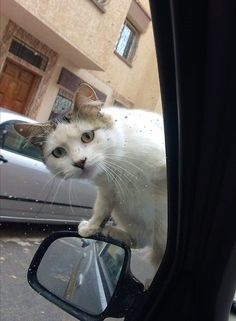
127,289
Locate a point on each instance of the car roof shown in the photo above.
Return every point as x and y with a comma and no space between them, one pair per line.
6,115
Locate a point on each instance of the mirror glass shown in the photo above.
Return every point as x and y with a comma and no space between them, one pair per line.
83,272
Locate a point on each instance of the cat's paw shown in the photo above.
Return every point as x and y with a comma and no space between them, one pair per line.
86,228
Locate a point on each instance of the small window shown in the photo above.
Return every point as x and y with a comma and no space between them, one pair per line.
63,103
127,42
29,54
12,141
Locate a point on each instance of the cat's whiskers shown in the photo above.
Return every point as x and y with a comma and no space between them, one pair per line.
130,163
51,189
49,181
57,190
123,158
118,177
121,171
70,200
130,157
115,179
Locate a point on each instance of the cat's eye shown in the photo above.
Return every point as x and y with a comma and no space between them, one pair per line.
88,136
59,152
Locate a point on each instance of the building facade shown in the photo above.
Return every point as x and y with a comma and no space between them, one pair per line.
49,47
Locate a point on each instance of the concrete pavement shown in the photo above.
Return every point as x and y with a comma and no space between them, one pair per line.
18,302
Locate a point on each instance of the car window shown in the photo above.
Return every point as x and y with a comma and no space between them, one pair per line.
109,46
11,141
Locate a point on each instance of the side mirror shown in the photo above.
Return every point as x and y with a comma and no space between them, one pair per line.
89,278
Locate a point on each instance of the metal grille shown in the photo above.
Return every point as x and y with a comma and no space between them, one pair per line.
63,102
29,54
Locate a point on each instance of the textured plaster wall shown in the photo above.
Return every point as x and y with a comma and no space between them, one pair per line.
82,24
3,22
140,83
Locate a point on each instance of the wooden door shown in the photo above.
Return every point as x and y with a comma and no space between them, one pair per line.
17,85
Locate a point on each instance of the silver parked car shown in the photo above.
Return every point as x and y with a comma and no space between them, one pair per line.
28,191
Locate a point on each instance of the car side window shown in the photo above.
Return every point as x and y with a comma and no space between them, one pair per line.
12,141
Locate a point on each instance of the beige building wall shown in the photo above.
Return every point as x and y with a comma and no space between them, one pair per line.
3,22
138,83
94,34
81,24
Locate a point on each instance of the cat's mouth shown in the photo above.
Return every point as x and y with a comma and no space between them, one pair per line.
80,164
85,170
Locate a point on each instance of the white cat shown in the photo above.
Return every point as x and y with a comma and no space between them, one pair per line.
122,152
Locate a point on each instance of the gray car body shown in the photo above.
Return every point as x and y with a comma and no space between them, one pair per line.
30,193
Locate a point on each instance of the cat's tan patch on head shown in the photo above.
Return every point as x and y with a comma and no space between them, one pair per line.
87,107
94,116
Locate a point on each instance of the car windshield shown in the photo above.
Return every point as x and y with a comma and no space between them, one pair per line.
84,75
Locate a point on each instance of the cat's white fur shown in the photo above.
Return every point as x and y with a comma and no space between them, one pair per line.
126,162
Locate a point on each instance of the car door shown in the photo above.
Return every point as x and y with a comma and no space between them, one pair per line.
28,191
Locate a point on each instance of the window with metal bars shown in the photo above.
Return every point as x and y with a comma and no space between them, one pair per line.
63,103
29,54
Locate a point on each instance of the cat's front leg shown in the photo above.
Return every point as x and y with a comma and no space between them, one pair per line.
88,228
102,211
119,234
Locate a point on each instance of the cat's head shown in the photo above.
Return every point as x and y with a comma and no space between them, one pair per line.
75,146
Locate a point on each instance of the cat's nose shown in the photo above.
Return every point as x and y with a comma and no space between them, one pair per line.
80,163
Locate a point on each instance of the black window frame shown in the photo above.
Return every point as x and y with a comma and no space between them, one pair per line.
131,51
27,53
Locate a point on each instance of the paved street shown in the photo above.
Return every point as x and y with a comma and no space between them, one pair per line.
18,302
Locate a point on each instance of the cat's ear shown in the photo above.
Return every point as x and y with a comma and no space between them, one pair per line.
86,103
85,94
88,107
35,133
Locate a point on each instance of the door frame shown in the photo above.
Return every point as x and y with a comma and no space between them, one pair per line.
35,85
11,31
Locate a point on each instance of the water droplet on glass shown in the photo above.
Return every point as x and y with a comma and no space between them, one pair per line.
10,196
